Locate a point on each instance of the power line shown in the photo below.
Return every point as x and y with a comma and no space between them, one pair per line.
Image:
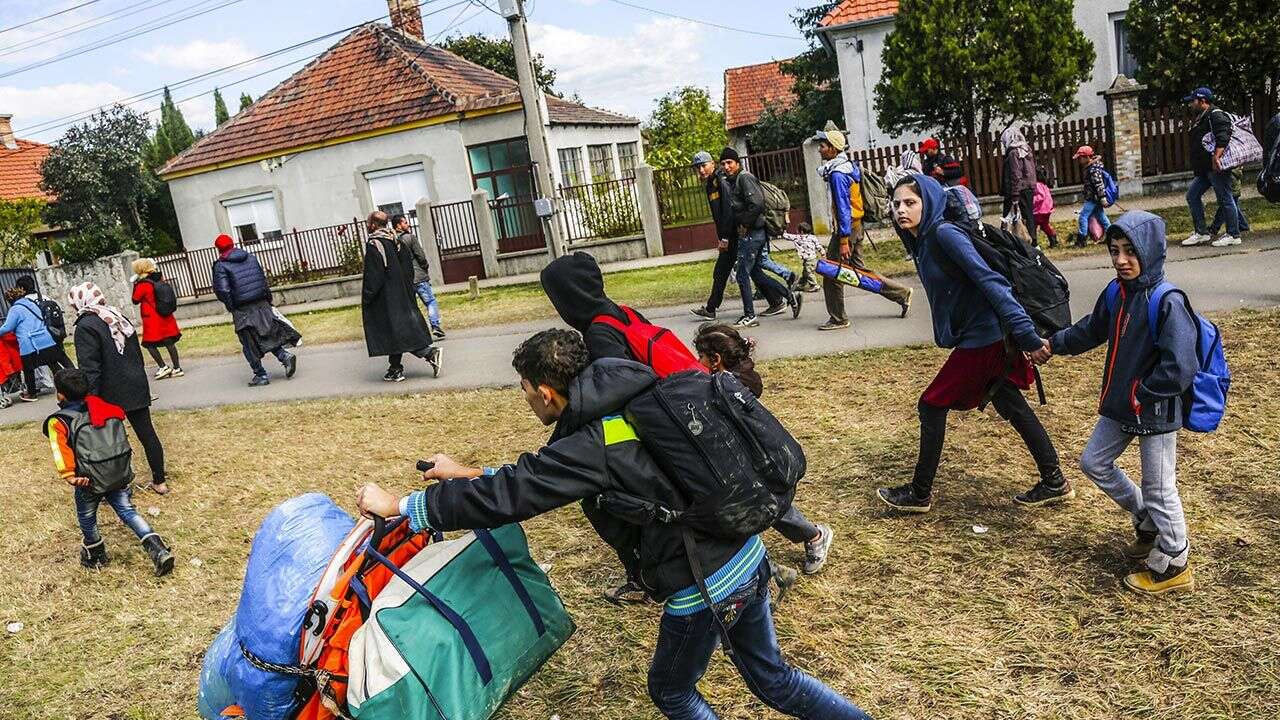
33,21
91,23
704,22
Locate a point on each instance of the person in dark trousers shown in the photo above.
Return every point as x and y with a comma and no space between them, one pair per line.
158,331
111,358
747,199
1207,167
844,181
1219,217
1018,179
421,273
393,325
972,306
78,407
36,345
241,285
719,192
594,450
938,165
1146,372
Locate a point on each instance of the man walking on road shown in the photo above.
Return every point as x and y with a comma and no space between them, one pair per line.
241,285
1208,170
392,324
421,272
748,217
844,180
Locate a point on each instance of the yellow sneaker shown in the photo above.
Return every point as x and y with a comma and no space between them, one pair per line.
1150,582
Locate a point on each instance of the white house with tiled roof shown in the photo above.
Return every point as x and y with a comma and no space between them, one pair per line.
379,121
856,30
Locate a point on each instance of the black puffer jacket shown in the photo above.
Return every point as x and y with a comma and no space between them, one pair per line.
120,379
238,280
748,201
578,464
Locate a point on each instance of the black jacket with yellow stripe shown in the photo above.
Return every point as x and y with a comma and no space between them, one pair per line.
593,452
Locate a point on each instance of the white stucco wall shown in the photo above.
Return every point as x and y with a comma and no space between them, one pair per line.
859,73
580,136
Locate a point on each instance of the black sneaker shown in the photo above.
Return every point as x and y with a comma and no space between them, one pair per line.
437,333
1044,493
833,324
775,309
747,321
906,304
435,358
704,313
259,381
394,375
795,301
904,499
793,281
291,365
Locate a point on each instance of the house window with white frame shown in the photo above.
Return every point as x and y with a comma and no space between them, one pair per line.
397,190
601,158
253,218
628,158
571,166
1126,63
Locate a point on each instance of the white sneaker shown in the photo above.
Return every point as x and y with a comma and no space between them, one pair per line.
1195,238
1226,241
163,372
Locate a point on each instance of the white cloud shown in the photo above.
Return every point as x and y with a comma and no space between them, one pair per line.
44,39
627,72
33,105
198,55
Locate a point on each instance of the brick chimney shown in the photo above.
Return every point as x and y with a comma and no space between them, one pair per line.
6,133
406,17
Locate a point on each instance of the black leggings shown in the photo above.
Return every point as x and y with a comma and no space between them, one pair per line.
794,526
55,357
172,347
140,421
1012,406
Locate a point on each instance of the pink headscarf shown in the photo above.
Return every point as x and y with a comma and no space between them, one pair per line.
88,298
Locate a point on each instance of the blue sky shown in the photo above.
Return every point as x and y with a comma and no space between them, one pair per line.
614,56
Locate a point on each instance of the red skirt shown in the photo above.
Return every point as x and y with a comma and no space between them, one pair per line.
968,373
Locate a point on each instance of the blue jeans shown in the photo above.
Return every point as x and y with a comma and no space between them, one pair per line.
255,362
685,646
1092,208
429,299
749,268
1221,184
777,268
1242,222
120,500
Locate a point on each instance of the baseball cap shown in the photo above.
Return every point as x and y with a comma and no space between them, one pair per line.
1083,151
701,158
1200,93
929,144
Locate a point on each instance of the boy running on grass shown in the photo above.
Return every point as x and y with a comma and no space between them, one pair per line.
595,450
1142,394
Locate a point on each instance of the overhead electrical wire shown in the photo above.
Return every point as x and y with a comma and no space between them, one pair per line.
704,22
33,21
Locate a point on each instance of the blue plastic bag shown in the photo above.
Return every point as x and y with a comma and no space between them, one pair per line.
215,695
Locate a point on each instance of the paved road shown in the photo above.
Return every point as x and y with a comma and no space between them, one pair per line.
1246,276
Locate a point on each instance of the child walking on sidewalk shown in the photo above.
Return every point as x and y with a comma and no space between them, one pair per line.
1147,370
809,248
91,453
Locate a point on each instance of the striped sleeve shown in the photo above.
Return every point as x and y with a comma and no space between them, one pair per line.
64,460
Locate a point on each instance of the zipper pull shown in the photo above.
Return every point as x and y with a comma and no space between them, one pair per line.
695,425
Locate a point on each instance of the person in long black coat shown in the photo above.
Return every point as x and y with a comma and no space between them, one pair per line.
393,325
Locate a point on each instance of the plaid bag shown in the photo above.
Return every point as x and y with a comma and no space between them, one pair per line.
1243,148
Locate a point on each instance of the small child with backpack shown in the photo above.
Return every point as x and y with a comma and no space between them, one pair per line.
157,302
91,453
1042,205
1098,191
1157,350
809,248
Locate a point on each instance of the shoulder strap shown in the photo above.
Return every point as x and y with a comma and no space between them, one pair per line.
1112,294
1157,297
614,322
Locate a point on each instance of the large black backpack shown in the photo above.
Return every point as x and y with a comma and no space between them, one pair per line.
166,298
102,453
50,313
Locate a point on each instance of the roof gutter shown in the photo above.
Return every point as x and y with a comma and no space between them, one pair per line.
824,32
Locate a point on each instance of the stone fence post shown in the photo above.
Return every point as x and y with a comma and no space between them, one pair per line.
430,244
819,192
650,215
1126,133
113,274
486,233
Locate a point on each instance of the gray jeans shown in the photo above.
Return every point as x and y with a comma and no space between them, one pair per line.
1155,505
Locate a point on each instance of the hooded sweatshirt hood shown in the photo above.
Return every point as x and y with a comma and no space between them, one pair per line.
575,287
1013,140
237,255
603,389
933,205
1146,232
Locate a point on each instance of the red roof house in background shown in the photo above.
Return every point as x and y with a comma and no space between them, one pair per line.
748,90
19,164
853,11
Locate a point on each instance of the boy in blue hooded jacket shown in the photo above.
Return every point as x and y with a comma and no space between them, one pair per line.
1144,378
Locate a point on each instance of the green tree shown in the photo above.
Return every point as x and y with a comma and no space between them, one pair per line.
961,66
683,123
220,114
18,218
245,101
816,84
1232,46
173,134
498,55
101,185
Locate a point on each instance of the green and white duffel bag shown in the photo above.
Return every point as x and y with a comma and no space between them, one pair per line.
459,629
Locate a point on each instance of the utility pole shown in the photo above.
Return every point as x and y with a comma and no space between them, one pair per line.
535,124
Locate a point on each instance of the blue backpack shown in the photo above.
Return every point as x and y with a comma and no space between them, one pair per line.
1206,400
1110,188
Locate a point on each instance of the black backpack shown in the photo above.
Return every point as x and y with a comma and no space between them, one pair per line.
51,315
1269,176
166,298
102,453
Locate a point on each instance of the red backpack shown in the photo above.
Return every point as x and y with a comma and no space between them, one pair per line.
657,347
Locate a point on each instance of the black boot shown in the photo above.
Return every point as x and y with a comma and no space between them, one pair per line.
94,556
159,554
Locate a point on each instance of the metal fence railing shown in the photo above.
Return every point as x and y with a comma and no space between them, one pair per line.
8,279
608,209
455,227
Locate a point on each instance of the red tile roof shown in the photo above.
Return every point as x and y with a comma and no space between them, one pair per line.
20,170
851,11
747,90
373,79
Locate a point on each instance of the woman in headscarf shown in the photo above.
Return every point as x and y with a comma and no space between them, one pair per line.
158,330
1019,178
111,358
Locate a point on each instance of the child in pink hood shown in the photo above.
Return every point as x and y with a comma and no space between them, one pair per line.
1042,206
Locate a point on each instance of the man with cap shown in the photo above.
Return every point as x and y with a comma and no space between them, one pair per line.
844,179
940,166
747,201
1210,119
1094,193
241,285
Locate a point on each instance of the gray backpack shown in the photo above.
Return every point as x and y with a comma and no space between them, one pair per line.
776,208
102,453
875,198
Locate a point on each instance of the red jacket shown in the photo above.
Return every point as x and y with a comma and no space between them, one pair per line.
156,328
